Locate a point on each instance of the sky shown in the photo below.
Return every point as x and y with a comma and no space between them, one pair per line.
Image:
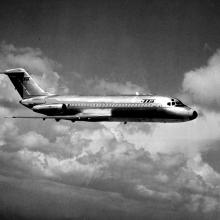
51,170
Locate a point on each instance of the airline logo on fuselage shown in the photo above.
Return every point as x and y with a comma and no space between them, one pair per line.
147,101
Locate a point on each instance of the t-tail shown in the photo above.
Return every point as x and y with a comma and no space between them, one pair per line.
24,83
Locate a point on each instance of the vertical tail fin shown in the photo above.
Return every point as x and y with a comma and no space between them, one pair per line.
24,84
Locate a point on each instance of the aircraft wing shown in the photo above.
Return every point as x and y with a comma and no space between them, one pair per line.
78,117
42,117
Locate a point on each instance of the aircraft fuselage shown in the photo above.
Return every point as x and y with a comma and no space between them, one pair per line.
136,108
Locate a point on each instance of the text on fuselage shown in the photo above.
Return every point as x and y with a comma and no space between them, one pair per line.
147,101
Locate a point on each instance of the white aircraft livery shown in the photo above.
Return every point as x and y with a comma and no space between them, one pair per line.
123,108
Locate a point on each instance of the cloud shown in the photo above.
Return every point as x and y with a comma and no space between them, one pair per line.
148,193
141,170
99,160
34,61
43,199
203,84
33,139
26,57
102,158
203,203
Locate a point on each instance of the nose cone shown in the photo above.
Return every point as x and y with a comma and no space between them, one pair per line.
193,115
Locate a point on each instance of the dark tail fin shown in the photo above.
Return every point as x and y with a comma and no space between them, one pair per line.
24,84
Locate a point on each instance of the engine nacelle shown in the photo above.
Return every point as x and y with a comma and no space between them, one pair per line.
50,109
55,109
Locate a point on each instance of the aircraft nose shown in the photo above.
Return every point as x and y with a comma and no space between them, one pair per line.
193,115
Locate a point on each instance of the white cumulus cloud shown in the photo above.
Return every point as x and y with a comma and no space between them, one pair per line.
203,84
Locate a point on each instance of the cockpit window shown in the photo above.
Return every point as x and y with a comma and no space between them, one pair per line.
176,103
179,104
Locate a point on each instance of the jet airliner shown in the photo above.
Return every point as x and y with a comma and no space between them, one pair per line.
123,108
